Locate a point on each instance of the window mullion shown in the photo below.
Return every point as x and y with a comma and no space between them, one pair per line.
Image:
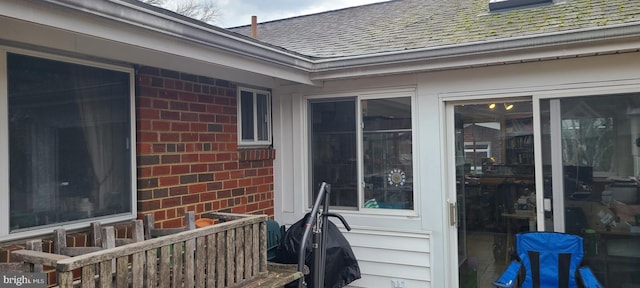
255,117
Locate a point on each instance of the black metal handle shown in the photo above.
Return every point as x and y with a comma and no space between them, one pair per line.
344,222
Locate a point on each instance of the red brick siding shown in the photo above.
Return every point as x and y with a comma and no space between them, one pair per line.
188,156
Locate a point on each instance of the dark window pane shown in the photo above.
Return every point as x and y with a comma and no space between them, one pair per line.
68,141
333,150
262,108
386,114
387,150
246,106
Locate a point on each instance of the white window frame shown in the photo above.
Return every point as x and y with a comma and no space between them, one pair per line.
368,95
254,142
4,149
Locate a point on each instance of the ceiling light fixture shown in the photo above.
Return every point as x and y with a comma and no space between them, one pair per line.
508,106
492,106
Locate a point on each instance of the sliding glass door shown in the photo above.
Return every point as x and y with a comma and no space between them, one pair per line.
495,185
591,166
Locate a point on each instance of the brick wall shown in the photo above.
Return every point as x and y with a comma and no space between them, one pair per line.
188,156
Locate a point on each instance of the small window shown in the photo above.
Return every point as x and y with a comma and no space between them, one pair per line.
254,117
496,5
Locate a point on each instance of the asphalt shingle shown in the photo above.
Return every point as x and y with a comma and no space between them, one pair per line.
414,24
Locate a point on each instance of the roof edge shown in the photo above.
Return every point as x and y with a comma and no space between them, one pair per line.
164,21
613,32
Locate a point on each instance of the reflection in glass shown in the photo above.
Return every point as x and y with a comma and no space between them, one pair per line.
495,185
600,151
387,150
333,150
69,147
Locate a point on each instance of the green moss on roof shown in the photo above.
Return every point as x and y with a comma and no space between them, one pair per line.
413,24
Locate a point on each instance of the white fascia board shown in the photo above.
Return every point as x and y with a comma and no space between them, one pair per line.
136,36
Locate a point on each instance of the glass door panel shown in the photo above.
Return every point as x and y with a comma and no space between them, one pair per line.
591,146
495,185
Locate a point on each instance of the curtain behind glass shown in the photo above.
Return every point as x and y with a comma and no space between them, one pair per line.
69,153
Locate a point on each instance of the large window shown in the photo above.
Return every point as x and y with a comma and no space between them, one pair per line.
362,146
591,153
69,142
254,117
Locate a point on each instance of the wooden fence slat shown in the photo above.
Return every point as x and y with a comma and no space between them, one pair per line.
239,254
231,257
248,242
201,261
165,269
151,273
122,271
34,245
211,261
263,246
65,279
137,270
189,265
221,259
176,266
255,231
106,273
88,276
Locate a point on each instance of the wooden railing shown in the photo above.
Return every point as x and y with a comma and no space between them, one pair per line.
229,254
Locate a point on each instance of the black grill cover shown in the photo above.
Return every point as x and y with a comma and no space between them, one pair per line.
341,266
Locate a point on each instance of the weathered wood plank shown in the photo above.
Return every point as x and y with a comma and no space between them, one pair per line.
151,273
106,273
240,254
65,279
122,271
231,257
96,232
189,263
278,276
248,255
211,261
255,246
221,259
201,262
137,269
33,245
76,251
263,246
165,262
38,257
88,276
176,269
137,234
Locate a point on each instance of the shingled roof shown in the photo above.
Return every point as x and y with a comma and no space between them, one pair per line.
414,24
